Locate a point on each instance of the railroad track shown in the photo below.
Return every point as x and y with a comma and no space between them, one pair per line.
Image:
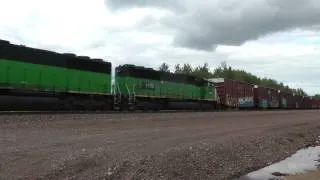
94,112
133,112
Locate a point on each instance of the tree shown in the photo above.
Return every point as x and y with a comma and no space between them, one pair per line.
177,68
301,92
164,67
203,71
225,71
187,69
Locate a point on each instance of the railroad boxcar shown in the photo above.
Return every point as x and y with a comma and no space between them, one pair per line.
30,72
297,101
285,100
234,94
315,103
245,95
266,97
227,92
307,102
273,98
142,87
261,97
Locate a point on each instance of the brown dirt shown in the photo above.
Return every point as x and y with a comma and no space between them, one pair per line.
212,145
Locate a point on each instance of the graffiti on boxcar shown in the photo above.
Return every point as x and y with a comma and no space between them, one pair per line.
231,101
273,101
246,101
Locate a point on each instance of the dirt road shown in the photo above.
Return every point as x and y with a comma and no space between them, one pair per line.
212,145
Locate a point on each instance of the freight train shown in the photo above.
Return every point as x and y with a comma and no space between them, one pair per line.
37,79
240,95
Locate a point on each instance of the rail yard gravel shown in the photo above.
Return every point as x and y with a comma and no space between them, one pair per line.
199,145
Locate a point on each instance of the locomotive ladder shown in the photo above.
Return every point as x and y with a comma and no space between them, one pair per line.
117,96
131,96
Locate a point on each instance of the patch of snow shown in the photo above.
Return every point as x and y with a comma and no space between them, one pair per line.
300,162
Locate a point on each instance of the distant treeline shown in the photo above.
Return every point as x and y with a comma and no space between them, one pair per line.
225,71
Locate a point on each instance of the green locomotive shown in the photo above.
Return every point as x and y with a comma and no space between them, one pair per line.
139,87
70,79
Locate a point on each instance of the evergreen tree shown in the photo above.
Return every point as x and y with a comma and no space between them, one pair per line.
178,69
202,71
164,67
187,69
225,71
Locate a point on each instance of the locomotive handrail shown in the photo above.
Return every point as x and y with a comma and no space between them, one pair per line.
116,90
116,87
133,93
128,90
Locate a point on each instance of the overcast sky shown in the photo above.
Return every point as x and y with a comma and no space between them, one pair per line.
274,38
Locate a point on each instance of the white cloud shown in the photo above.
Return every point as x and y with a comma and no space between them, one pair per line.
133,36
72,23
293,64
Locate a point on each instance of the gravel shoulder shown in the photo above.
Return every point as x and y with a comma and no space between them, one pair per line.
211,145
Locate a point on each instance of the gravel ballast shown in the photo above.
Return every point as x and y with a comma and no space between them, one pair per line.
211,145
